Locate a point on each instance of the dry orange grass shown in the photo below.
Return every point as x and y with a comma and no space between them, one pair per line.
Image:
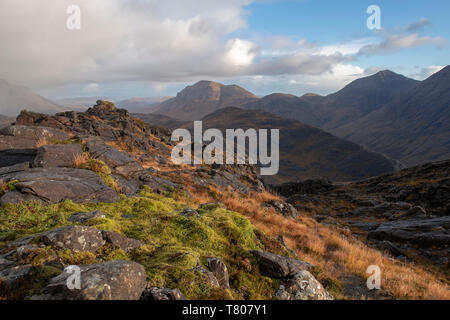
80,159
330,249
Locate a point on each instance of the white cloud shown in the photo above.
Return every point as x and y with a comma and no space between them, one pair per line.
91,88
426,72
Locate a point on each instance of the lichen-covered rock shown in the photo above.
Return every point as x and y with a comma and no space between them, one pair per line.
75,238
284,208
112,280
118,240
82,217
208,276
276,266
220,271
303,286
57,155
160,294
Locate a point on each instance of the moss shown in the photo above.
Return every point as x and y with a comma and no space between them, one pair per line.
69,141
173,244
7,187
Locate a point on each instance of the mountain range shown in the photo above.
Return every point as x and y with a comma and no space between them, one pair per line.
305,152
404,119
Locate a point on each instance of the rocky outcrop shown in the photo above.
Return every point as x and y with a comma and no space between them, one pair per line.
75,238
284,208
118,240
160,294
426,232
277,266
57,155
112,280
303,286
52,185
305,187
121,163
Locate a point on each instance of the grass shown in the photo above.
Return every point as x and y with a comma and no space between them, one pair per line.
173,244
331,249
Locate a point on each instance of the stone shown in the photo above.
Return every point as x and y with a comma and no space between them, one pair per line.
190,213
112,280
57,155
13,278
121,162
276,266
75,238
220,271
209,277
120,241
160,294
82,217
284,208
53,185
423,232
303,286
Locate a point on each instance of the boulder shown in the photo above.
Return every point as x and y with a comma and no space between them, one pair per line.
121,162
12,278
284,208
57,155
153,293
209,277
112,280
120,241
190,213
276,266
82,217
220,271
53,185
75,238
423,232
303,286
34,133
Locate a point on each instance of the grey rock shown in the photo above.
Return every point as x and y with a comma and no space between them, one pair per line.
13,277
284,208
276,266
160,294
303,286
53,185
220,271
75,238
120,241
82,217
112,280
57,155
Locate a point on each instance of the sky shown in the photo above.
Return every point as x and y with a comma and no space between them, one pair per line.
145,48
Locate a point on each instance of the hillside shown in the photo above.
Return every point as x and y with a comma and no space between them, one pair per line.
202,98
413,128
305,152
141,105
15,98
287,106
97,190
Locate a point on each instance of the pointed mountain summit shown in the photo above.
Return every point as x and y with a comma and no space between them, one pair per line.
413,128
202,98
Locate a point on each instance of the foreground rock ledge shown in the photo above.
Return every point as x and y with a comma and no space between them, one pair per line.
113,280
